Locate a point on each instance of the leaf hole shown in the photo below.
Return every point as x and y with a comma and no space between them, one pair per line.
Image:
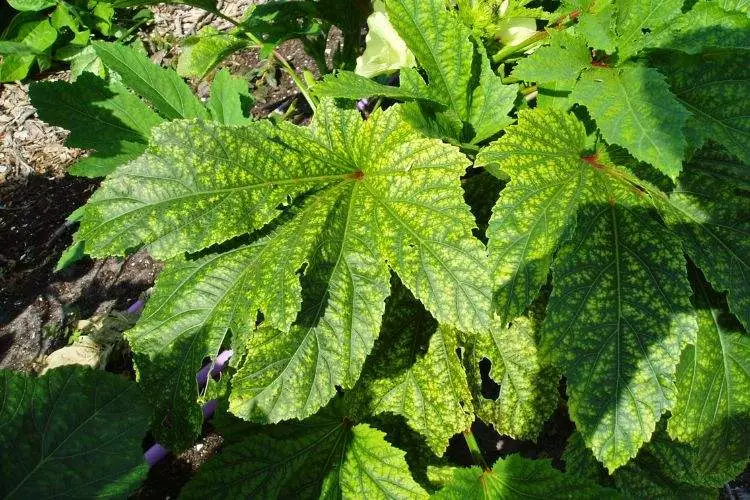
490,389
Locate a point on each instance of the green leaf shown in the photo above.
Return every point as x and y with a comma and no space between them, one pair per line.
598,28
543,157
667,469
349,85
202,52
86,60
370,186
292,465
633,107
98,164
491,101
31,5
709,214
705,27
713,88
513,477
374,469
123,123
15,67
432,394
580,461
561,61
554,95
197,303
738,5
442,46
275,22
164,89
634,17
36,34
713,383
618,319
230,99
63,17
15,48
102,15
528,391
73,432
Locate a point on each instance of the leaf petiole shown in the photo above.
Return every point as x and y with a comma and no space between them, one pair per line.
476,453
299,82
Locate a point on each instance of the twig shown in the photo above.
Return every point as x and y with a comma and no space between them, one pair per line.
279,57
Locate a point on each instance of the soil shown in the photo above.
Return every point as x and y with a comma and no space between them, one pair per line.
38,306
166,478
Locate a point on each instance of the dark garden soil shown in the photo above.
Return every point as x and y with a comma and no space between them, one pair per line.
38,307
166,478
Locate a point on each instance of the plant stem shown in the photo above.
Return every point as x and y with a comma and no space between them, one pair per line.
560,23
132,29
304,90
225,17
296,79
510,50
476,453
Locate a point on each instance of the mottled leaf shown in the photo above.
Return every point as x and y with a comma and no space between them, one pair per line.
291,464
543,157
513,477
528,391
713,383
442,46
710,214
374,469
368,188
618,319
432,394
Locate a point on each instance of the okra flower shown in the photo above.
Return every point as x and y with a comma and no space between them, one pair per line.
514,30
385,51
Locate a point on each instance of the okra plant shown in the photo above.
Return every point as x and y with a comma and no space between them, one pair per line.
558,192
